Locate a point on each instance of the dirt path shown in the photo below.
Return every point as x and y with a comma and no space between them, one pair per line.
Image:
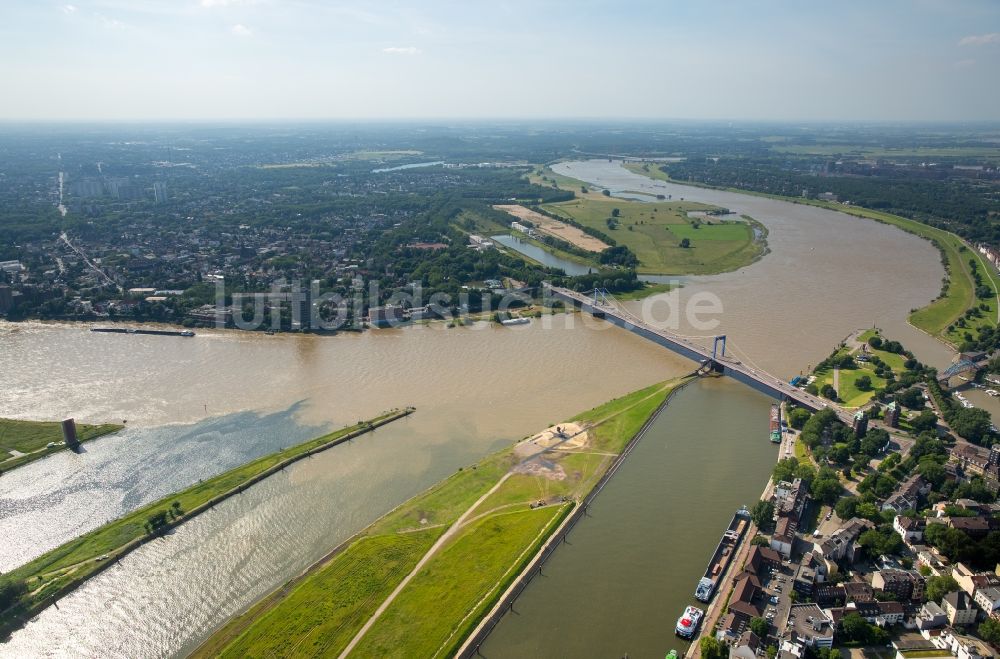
462,521
448,535
561,230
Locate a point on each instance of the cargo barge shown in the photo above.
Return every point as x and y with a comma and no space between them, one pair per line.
723,555
130,330
775,424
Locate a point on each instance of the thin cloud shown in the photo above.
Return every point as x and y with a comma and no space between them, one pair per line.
241,30
225,3
112,23
980,39
965,63
69,9
402,50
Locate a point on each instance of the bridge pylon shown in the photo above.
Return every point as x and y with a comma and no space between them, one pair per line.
715,346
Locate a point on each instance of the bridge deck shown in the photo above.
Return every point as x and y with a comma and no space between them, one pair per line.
756,378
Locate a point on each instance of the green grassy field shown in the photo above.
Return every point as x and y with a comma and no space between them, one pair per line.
939,317
459,585
848,392
654,231
550,179
31,438
319,614
73,562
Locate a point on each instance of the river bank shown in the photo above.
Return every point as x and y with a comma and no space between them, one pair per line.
251,544
632,564
958,292
512,488
816,253
27,441
62,570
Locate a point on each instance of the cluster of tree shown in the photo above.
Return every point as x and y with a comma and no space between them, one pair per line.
957,546
619,256
788,469
161,518
972,423
856,630
824,423
879,343
11,591
937,587
989,631
797,417
616,281
762,514
760,627
956,204
881,541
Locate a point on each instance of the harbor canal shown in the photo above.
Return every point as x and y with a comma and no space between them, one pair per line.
628,570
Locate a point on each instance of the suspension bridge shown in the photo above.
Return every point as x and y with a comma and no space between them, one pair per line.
601,304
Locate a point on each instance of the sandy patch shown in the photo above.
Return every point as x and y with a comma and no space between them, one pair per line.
561,230
565,436
543,468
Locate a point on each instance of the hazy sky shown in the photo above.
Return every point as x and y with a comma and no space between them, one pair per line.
262,59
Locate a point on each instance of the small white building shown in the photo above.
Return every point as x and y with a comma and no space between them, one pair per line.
959,608
988,599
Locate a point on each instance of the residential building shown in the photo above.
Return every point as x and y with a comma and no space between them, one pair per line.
784,536
962,646
746,646
811,626
812,570
829,594
762,559
988,599
891,415
932,559
910,529
841,543
790,499
908,495
860,423
931,616
859,591
976,528
906,585
971,582
959,608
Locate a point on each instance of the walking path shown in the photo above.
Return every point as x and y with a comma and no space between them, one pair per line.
448,535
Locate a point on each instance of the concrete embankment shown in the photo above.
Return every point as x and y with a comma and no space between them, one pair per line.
506,602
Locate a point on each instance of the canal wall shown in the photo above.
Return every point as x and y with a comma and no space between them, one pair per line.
506,602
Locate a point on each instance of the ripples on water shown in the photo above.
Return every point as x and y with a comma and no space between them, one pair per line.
60,497
475,389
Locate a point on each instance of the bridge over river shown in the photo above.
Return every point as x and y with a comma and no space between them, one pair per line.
605,306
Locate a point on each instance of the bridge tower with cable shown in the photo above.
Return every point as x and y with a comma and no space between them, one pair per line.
715,346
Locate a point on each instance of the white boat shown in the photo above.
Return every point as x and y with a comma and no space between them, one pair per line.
515,321
687,624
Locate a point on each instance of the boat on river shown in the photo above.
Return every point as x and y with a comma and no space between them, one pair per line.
723,555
